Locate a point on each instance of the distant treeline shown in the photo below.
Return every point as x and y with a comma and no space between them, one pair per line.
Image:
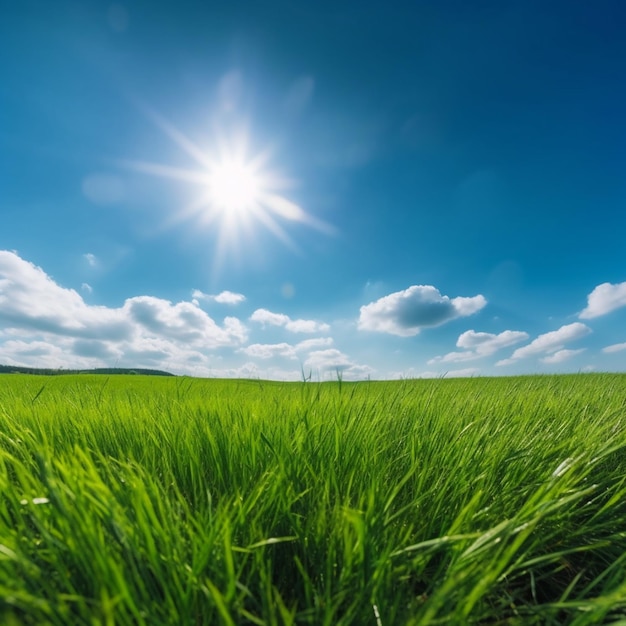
14,369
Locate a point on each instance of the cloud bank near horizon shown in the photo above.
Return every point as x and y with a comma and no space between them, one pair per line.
145,330
44,324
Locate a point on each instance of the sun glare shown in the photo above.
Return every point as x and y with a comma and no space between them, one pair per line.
237,189
234,186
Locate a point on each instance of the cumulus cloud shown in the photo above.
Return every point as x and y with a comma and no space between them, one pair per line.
311,344
328,359
286,350
268,318
478,345
94,349
30,299
60,352
405,313
549,343
616,347
270,350
265,317
561,355
225,297
489,343
47,325
604,299
455,357
33,353
331,361
183,322
33,306
252,370
17,347
306,326
229,297
508,361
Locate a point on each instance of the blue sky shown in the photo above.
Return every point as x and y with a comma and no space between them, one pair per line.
268,188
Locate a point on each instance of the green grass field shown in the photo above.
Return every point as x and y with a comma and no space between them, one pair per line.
137,500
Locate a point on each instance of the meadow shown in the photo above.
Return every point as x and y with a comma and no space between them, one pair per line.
135,500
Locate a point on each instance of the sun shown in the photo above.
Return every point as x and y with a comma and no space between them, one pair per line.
237,189
234,186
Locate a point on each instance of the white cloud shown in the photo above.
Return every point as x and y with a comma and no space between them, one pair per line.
40,354
225,297
561,355
332,361
488,343
150,350
604,299
455,357
87,288
265,317
268,318
91,259
30,299
15,347
159,353
479,345
252,370
49,351
616,347
235,329
47,325
549,343
306,326
508,361
229,297
405,313
327,359
270,350
183,322
317,342
37,311
91,348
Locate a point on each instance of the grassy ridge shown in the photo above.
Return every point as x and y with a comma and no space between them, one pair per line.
135,500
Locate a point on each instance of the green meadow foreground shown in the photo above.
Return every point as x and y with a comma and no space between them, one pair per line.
136,500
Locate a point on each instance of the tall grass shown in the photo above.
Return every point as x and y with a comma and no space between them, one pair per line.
136,500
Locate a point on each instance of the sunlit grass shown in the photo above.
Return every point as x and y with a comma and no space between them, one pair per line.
135,500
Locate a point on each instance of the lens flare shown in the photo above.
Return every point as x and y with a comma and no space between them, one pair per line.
236,189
